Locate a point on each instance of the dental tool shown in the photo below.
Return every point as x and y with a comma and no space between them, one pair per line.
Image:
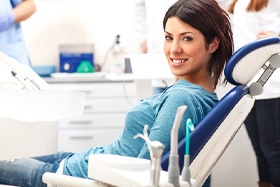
186,174
21,80
173,167
24,81
156,149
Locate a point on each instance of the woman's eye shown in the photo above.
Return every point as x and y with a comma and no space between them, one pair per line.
188,38
168,38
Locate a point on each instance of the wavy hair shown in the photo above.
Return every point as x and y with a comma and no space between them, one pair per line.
212,21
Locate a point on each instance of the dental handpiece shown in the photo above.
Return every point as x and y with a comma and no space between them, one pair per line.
156,149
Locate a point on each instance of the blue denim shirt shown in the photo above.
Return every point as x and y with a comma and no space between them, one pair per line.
158,112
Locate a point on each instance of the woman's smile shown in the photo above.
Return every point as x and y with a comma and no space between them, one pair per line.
178,62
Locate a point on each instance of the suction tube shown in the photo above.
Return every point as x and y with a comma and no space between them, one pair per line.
173,167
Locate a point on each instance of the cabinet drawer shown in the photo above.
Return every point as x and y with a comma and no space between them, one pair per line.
80,140
102,89
109,105
94,120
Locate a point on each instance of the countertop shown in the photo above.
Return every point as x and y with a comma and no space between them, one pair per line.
93,77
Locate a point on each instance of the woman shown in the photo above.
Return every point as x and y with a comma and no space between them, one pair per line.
254,19
196,51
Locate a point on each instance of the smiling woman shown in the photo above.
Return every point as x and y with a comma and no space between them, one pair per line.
196,52
202,36
186,53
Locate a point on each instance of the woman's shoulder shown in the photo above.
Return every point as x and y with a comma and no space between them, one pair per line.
185,87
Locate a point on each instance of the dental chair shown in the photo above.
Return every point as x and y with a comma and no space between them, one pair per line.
30,110
248,69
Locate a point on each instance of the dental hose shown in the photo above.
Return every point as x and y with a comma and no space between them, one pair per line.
186,174
173,167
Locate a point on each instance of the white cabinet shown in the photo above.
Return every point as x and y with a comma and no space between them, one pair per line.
106,104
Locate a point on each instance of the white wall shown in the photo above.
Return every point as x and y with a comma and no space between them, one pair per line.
78,22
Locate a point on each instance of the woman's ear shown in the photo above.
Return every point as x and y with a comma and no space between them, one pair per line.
214,44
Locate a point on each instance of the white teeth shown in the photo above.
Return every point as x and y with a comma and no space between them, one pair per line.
179,61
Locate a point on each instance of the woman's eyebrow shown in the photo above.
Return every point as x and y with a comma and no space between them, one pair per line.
188,32
183,33
167,33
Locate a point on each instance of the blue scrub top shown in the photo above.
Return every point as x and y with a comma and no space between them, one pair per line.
12,40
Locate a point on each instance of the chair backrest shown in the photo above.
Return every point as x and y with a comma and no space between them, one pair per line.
216,130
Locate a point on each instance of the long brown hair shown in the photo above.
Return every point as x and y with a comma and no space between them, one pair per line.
254,5
212,21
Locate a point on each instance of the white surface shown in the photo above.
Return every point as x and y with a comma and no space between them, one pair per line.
78,75
53,180
20,139
28,120
124,171
237,166
40,105
150,65
125,76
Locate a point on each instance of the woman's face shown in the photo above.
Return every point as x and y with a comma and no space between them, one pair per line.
185,50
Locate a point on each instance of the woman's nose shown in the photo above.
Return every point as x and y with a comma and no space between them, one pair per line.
175,47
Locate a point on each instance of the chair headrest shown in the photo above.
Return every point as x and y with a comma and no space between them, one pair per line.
246,62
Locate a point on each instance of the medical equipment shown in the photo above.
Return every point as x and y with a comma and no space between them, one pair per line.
30,111
210,137
156,149
173,169
72,57
186,174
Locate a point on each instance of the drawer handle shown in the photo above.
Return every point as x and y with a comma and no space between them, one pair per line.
80,122
87,107
86,91
81,137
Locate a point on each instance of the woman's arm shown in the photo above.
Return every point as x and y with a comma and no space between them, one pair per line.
161,129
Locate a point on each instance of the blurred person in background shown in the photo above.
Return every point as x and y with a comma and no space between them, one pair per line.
148,16
12,13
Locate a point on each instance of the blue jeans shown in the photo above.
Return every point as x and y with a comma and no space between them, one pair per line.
28,172
263,127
